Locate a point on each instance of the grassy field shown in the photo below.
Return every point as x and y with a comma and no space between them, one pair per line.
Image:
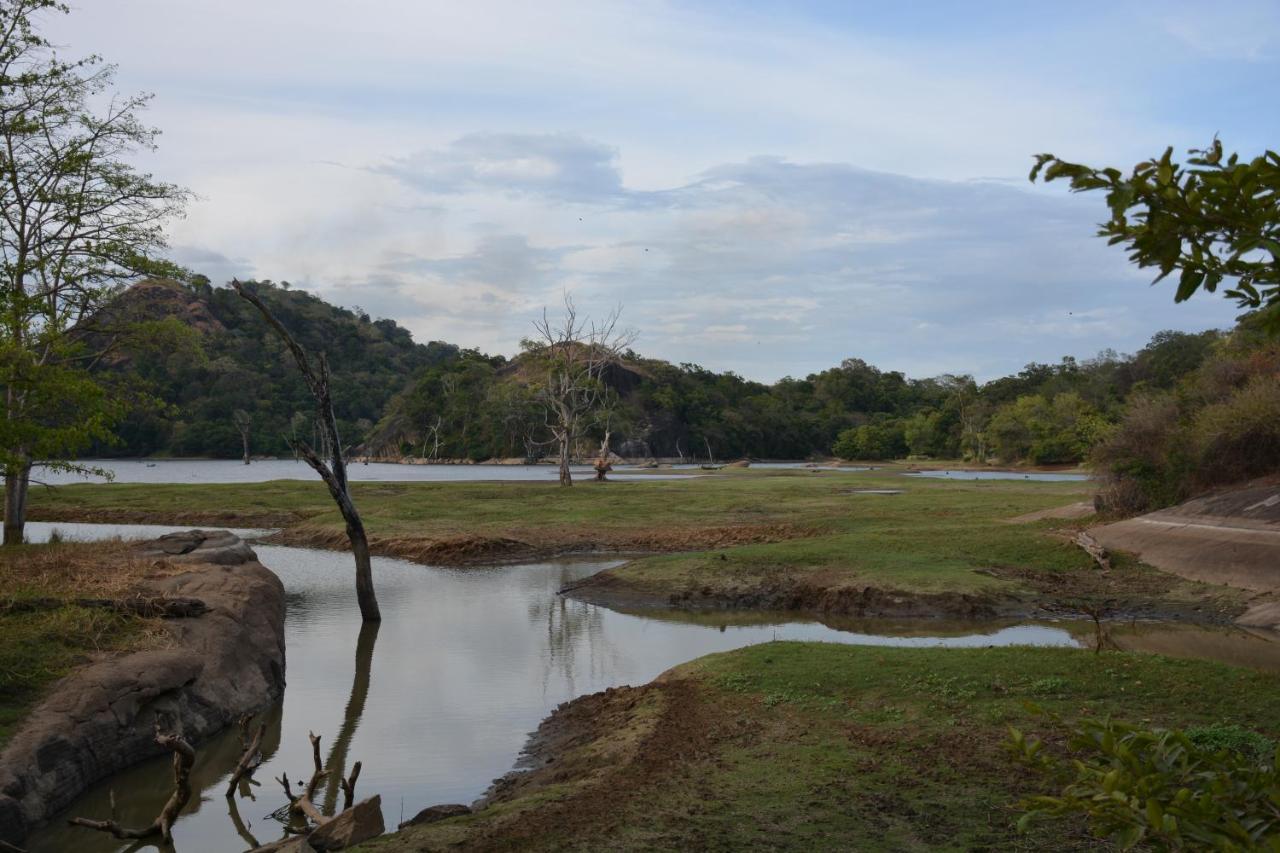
40,647
804,746
745,538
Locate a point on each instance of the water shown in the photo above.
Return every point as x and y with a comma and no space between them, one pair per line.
263,470
438,700
1000,475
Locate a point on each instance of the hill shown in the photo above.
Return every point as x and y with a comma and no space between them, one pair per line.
235,362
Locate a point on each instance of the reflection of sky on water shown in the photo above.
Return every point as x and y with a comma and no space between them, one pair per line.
1045,476
464,665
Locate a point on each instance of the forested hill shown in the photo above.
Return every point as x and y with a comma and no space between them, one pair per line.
396,397
233,361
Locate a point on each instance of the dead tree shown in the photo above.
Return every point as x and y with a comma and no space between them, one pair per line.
183,758
574,354
244,422
302,804
250,755
334,471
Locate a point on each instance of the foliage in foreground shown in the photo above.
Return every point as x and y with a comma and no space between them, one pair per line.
1216,788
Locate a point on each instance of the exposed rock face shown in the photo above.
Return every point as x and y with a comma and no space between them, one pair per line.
100,719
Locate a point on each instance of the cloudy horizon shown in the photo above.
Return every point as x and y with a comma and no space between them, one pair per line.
766,191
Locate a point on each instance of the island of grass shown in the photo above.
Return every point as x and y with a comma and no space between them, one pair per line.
825,542
809,746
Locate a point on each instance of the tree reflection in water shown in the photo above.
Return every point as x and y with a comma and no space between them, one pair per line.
337,761
571,625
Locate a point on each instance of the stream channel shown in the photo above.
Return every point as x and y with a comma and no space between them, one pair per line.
439,699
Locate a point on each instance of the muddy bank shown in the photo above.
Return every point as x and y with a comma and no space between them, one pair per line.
814,596
542,543
216,667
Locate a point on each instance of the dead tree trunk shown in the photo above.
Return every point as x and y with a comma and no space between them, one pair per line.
183,759
334,471
602,465
244,423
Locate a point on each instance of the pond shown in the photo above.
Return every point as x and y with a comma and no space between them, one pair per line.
263,470
439,699
1043,476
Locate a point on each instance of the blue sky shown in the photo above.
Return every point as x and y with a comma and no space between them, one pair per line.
767,188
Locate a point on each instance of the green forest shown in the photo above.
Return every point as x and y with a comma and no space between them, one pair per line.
1199,392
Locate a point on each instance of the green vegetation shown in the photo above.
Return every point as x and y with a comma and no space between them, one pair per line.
1215,219
1219,424
738,532
1209,788
804,746
41,646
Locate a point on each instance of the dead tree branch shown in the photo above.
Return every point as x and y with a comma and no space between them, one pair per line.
250,756
1094,549
302,805
184,756
349,787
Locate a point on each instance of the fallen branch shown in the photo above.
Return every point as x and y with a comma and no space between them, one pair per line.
183,758
250,756
147,607
349,787
6,847
302,803
1094,549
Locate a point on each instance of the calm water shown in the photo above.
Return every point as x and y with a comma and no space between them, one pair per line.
262,470
439,699
999,475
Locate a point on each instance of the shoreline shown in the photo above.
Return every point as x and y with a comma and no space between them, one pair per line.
99,718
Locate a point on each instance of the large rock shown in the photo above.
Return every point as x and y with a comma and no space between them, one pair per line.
358,823
433,814
100,719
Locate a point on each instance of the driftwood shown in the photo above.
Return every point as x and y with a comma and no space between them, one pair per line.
6,847
301,804
349,787
147,606
250,756
1094,549
183,758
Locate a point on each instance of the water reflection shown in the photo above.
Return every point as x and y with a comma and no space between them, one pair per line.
468,662
999,475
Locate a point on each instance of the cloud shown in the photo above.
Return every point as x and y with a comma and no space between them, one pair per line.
553,166
217,266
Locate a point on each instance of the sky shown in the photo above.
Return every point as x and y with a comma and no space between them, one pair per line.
767,188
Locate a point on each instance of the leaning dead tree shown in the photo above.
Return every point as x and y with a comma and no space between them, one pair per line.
333,471
574,354
183,758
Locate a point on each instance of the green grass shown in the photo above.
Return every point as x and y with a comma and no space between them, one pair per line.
40,647
938,536
825,747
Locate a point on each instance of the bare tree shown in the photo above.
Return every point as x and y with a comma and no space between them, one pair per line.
334,471
574,353
244,422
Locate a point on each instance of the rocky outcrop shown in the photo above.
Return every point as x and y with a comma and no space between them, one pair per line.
220,665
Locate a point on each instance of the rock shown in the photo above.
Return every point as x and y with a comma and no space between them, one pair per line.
292,844
215,547
431,814
358,823
100,718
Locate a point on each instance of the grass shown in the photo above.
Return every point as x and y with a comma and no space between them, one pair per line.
742,530
806,746
40,647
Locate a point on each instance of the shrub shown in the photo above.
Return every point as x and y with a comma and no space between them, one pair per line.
1162,788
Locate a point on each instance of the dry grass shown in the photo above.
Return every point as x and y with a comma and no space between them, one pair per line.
84,569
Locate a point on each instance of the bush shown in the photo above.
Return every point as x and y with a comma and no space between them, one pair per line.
1214,789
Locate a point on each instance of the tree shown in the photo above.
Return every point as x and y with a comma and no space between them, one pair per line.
76,222
1212,220
573,355
334,471
244,422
